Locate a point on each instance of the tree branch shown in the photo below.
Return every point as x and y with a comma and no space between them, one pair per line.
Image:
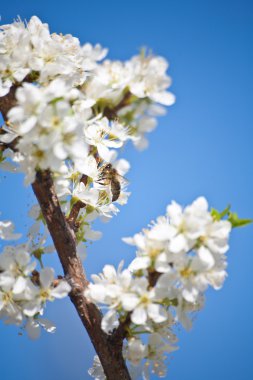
108,347
8,101
111,113
73,215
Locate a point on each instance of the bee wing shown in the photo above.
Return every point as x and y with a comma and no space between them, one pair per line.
123,181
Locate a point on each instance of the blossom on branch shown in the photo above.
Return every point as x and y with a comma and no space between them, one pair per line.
25,291
178,257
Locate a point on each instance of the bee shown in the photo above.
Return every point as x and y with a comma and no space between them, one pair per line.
110,176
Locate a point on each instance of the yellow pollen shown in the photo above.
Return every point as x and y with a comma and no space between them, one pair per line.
55,120
74,176
7,297
44,294
186,272
181,227
145,299
153,253
202,239
38,154
67,138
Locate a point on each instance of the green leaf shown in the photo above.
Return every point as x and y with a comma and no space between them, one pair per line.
225,212
232,217
215,214
236,221
219,215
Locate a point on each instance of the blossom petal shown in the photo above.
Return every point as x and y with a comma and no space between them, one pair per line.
129,301
46,277
33,329
157,313
110,321
139,316
61,290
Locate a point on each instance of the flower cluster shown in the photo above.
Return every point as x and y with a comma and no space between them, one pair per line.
178,257
137,86
30,52
23,290
73,114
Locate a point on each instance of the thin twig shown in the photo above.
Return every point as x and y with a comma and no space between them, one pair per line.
111,113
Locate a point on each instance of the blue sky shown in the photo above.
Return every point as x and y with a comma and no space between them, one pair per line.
203,146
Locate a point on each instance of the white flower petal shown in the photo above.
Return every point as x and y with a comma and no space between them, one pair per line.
46,277
32,308
47,325
129,301
96,293
157,313
162,232
110,321
139,316
206,257
19,285
32,328
140,263
61,290
109,272
178,244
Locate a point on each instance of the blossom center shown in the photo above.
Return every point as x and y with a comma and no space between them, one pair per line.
7,297
186,272
44,294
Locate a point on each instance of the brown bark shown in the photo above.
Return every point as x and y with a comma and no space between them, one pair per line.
72,218
7,102
111,113
108,347
153,278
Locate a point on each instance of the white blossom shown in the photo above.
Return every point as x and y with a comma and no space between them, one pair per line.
178,256
97,371
6,231
24,291
136,351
